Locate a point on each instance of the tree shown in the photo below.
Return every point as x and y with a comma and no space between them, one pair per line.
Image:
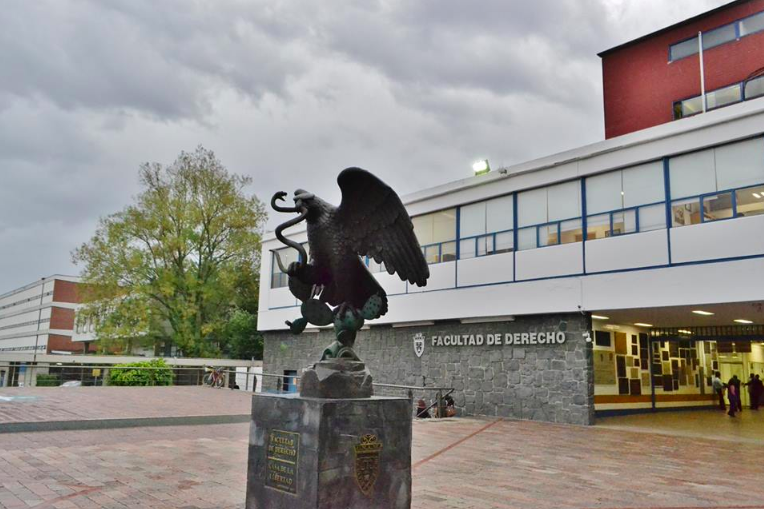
169,266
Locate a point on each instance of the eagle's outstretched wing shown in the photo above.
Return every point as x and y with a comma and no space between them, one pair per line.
375,224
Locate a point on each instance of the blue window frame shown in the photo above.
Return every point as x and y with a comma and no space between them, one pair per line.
718,205
552,233
486,244
717,36
624,221
440,252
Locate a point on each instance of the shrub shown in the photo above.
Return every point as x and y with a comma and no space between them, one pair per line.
44,380
158,374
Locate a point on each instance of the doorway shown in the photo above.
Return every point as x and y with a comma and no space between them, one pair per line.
728,370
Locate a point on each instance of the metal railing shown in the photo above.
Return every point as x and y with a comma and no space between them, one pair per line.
18,375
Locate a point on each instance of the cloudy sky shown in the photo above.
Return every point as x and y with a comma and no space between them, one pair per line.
287,91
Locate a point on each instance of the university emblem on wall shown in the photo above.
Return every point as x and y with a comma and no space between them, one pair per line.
367,463
419,344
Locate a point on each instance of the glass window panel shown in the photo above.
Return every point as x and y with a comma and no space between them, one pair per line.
750,201
740,164
467,248
423,229
652,218
472,219
685,212
719,36
499,214
531,207
603,192
432,253
526,238
485,245
753,24
625,222
448,251
723,97
571,231
444,225
375,267
692,106
754,88
598,227
504,242
435,227
548,235
287,255
684,49
642,184
564,200
717,206
692,174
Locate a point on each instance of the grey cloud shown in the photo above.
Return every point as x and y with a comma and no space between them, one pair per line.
286,91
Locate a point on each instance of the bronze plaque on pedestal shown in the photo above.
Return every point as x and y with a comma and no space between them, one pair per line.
282,455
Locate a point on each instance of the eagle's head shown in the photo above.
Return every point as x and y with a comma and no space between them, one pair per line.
305,200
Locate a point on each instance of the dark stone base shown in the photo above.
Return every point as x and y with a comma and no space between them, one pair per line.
338,379
329,453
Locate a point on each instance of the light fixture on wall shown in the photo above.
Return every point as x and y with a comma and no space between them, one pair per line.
481,167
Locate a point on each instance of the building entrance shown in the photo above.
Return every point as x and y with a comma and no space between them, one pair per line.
638,370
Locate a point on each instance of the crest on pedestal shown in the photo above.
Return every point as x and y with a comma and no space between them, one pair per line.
419,344
367,463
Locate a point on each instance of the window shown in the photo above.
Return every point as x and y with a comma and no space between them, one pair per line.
287,255
754,88
485,228
683,49
549,216
374,266
752,24
718,36
719,183
625,201
436,233
724,96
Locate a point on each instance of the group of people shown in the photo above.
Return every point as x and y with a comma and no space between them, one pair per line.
423,411
755,391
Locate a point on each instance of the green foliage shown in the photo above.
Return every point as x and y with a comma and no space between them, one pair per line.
173,265
44,380
158,374
240,338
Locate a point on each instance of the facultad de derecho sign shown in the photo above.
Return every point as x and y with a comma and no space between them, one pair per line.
498,339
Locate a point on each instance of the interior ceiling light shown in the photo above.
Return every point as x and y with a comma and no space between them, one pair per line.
600,317
756,195
740,320
701,312
640,324
684,331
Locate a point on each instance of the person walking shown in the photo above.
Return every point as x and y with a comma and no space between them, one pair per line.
759,391
718,386
734,397
735,381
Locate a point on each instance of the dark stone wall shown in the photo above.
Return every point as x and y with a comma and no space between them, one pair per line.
543,382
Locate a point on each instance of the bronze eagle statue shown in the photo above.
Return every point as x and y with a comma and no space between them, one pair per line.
334,283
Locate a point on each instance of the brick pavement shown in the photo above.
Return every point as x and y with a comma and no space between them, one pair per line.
37,404
458,463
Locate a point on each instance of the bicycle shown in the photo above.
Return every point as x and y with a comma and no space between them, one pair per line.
214,377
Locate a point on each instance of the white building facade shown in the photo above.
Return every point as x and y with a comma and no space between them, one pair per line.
633,234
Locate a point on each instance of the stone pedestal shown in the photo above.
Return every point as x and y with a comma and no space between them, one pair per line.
329,453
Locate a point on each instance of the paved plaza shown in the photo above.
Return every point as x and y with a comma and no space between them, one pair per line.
457,463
